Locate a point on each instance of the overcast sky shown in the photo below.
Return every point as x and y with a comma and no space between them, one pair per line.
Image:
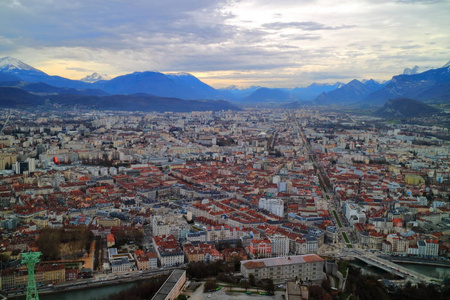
273,43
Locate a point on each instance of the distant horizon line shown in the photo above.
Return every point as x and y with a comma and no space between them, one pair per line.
225,86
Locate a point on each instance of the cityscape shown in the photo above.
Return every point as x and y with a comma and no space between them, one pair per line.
224,149
127,195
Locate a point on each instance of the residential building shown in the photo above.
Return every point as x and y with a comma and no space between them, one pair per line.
301,267
168,250
279,244
275,206
259,248
428,248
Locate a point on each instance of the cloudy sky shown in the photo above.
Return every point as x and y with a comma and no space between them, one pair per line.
273,43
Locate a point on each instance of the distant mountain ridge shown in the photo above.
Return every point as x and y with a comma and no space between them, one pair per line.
40,88
306,94
12,97
431,85
352,92
95,77
268,95
423,86
405,108
184,86
180,85
310,92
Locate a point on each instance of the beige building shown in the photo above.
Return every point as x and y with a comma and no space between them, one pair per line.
108,222
279,269
399,244
7,160
44,274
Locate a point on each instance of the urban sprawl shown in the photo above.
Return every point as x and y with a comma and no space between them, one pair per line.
105,195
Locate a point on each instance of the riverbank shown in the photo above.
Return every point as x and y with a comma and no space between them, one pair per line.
411,260
81,292
81,286
90,293
439,272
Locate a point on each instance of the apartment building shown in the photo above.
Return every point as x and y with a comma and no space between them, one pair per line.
279,269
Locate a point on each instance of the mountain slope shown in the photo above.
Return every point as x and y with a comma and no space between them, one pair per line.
11,97
268,95
436,94
43,88
405,108
296,105
155,83
5,77
46,89
313,90
234,93
95,77
352,92
417,70
13,66
423,86
142,102
200,88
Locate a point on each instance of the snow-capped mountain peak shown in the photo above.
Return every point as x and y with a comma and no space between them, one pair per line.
95,77
417,70
179,74
11,63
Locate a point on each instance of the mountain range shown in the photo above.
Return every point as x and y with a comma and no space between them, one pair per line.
12,97
427,86
354,91
431,85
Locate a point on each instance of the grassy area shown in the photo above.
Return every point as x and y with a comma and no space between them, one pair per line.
336,281
346,238
337,219
196,228
343,267
328,197
349,246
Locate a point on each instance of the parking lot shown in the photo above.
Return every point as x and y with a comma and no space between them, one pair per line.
225,294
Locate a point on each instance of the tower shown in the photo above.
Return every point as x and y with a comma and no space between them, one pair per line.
31,258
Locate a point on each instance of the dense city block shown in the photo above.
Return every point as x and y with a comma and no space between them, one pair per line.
112,195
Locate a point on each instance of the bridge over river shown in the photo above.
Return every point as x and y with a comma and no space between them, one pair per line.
394,268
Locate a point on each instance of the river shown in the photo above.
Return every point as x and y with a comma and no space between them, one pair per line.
432,271
88,294
99,292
